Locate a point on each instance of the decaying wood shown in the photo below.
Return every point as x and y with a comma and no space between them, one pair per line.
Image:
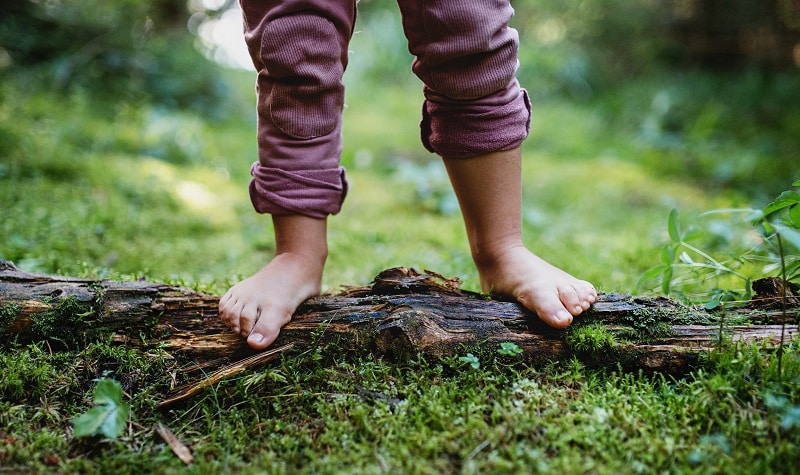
402,314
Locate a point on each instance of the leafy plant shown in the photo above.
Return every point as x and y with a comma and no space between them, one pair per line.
109,415
686,265
789,413
780,221
471,360
509,348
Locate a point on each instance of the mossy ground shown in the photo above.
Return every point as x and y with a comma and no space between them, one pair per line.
318,411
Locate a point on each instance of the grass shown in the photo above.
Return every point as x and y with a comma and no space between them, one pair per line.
321,412
125,190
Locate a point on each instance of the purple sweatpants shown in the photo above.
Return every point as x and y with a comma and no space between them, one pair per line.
464,53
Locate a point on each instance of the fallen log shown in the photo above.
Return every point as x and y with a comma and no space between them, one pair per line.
402,314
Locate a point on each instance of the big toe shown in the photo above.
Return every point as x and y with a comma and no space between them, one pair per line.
558,318
266,330
550,310
259,341
571,300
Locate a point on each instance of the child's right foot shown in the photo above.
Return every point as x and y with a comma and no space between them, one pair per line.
259,306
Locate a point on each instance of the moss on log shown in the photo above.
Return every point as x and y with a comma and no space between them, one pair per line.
402,314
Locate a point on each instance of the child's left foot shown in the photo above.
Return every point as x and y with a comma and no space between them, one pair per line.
554,295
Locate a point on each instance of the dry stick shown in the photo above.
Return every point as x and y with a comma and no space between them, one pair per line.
189,390
178,448
721,320
783,303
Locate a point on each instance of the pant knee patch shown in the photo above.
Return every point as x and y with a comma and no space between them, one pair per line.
303,58
485,74
471,56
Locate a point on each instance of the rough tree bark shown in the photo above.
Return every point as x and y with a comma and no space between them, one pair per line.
402,314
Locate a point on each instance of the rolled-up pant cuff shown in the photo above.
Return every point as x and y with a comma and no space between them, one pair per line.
313,193
457,130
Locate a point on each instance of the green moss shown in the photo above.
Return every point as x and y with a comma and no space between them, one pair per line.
29,375
648,325
593,338
8,313
65,322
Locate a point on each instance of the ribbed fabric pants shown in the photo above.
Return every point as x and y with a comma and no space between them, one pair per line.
464,52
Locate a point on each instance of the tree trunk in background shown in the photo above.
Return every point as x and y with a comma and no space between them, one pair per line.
734,33
403,314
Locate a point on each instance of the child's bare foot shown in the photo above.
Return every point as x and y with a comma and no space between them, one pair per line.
259,306
489,190
554,295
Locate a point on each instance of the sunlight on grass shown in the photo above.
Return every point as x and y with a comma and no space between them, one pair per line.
194,196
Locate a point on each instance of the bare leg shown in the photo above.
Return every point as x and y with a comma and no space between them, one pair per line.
260,305
489,190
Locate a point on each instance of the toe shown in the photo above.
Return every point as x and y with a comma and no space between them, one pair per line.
247,319
589,295
229,313
549,309
571,300
265,332
560,319
259,340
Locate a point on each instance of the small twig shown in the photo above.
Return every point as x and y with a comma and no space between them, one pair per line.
476,451
721,323
377,396
783,302
187,391
178,448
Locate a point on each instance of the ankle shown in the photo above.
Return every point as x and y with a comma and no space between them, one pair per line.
489,254
313,258
301,237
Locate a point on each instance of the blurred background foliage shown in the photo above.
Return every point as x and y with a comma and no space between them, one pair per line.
698,79
697,93
723,69
125,49
577,47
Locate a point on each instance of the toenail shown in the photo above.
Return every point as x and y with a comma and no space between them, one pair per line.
564,316
256,338
235,329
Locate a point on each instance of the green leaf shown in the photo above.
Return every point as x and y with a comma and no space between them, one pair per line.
666,281
471,360
794,216
674,226
784,200
652,273
797,183
509,348
693,233
109,415
713,303
789,235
